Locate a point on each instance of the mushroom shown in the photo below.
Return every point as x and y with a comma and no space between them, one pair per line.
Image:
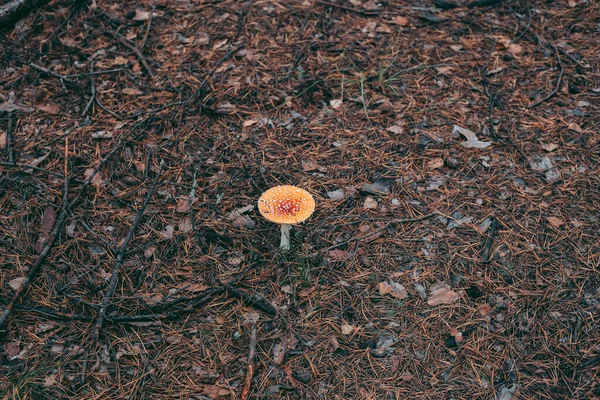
286,205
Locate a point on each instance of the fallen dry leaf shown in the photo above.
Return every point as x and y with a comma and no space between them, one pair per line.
11,349
549,147
185,225
2,140
335,103
399,20
555,222
397,129
141,15
309,164
472,141
392,288
440,293
338,254
48,108
168,232
97,180
16,283
370,203
575,127
132,91
435,163
50,380
347,329
183,205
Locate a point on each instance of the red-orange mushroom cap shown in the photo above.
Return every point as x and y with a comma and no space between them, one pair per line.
286,204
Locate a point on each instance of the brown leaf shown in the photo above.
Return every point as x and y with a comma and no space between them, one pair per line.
183,205
484,309
338,254
132,91
472,141
2,140
555,222
392,288
440,293
185,225
97,180
141,15
575,127
305,293
549,147
309,164
49,108
47,220
400,20
168,232
16,283
11,349
50,380
347,328
435,163
368,234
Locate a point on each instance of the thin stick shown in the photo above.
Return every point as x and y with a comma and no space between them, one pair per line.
9,138
120,259
487,247
255,301
46,71
250,372
26,166
558,81
93,91
370,234
135,50
46,250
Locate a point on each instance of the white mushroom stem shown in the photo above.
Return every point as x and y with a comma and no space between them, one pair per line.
285,236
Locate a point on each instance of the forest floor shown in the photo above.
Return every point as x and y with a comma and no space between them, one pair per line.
453,154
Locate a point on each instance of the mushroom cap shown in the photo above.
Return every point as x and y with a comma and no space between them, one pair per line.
286,204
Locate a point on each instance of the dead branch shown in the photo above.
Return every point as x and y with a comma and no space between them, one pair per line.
487,247
46,250
9,137
255,300
120,258
57,228
558,81
135,50
250,372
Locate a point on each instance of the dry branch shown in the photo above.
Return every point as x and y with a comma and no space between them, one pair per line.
250,372
120,258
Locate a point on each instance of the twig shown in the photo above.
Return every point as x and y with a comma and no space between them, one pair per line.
135,50
354,10
46,250
526,27
370,234
487,247
486,86
9,138
27,166
93,91
120,258
250,372
256,300
558,81
147,31
39,68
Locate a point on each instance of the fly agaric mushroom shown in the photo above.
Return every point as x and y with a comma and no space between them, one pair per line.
286,205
